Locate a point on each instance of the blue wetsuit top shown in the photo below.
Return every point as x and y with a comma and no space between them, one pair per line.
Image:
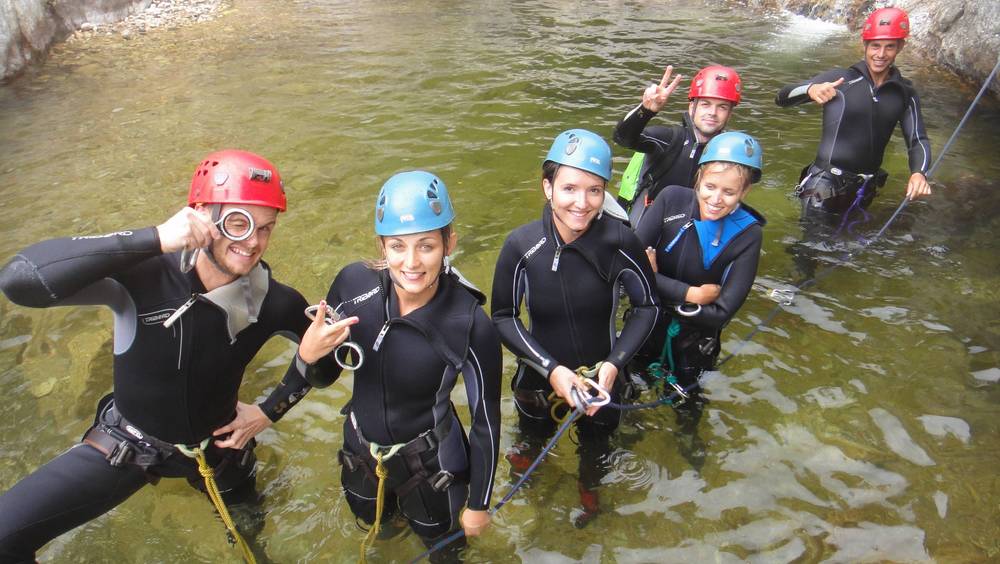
687,254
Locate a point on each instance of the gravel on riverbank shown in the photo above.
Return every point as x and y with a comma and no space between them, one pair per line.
158,14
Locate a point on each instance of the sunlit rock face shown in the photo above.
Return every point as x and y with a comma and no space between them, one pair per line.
29,27
960,35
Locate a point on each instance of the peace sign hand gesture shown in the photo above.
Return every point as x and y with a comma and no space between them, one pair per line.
655,96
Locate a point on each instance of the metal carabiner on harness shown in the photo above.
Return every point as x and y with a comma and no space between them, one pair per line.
688,309
341,351
672,382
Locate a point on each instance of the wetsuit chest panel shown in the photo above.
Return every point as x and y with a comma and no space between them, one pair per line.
186,378
569,309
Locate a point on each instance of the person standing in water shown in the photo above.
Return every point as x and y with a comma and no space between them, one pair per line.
669,156
565,270
861,107
704,245
420,325
182,341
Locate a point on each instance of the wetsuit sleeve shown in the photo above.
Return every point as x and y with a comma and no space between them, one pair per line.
632,132
51,271
917,143
296,382
650,229
636,278
509,286
797,93
482,385
736,284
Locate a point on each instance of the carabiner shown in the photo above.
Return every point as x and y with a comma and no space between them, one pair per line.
339,353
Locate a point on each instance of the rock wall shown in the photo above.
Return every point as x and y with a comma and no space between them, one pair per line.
29,27
960,35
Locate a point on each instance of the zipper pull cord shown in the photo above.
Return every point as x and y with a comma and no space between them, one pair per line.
180,311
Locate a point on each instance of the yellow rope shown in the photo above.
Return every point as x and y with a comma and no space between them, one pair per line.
382,474
208,474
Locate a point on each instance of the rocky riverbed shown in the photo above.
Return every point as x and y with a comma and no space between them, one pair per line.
160,14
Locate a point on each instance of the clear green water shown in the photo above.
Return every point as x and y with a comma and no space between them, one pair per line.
819,435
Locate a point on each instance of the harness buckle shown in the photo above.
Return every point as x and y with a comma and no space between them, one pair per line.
120,454
441,480
346,460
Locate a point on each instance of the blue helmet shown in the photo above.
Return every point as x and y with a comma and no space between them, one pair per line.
412,202
584,150
735,147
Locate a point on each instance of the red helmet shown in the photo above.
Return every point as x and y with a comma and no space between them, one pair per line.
716,82
237,177
886,23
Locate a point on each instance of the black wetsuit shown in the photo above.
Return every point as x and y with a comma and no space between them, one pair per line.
402,392
172,385
670,223
571,295
857,126
672,155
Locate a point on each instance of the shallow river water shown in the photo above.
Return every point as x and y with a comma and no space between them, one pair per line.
859,425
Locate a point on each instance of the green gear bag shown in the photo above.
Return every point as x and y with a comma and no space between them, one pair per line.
630,178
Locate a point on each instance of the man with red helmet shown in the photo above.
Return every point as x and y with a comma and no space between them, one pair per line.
861,107
182,341
669,155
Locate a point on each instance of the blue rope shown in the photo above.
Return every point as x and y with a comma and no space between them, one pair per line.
668,400
665,400
869,242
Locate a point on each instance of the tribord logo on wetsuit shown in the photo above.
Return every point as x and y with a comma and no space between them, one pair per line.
364,297
534,249
115,234
674,217
155,317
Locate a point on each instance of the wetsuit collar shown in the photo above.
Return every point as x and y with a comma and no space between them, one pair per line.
894,74
446,320
591,245
714,235
241,299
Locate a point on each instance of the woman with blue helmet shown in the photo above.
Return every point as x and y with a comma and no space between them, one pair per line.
420,325
704,245
573,260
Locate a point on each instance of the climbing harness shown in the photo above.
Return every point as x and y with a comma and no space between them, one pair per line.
379,453
410,451
208,474
236,224
341,351
867,242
